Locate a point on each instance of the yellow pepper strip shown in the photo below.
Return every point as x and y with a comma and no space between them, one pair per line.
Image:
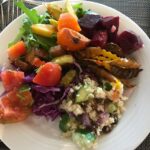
53,22
70,9
54,10
45,30
106,56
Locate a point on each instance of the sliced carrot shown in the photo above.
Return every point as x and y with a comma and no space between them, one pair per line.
16,50
71,40
67,20
37,62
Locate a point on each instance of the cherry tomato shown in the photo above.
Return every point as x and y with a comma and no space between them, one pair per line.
48,75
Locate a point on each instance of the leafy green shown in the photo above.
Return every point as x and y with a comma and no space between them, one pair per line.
31,13
30,41
80,11
46,43
25,32
27,25
44,18
18,37
78,8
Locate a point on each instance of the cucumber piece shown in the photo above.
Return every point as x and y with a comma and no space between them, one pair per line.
63,124
111,108
85,141
63,60
84,94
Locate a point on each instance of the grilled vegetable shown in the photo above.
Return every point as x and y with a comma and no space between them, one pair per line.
67,20
53,22
63,60
41,53
124,72
68,78
71,40
56,51
101,72
121,67
97,53
30,56
24,66
37,62
128,83
115,49
125,68
54,10
43,29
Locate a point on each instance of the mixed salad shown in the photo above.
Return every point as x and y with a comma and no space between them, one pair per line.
73,64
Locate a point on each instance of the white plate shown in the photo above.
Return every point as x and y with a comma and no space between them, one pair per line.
36,133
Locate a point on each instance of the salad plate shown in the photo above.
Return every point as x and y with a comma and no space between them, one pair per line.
42,134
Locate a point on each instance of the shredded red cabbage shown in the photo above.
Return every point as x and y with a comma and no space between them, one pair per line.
28,78
47,100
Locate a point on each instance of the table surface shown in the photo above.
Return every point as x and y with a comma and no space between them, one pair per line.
138,11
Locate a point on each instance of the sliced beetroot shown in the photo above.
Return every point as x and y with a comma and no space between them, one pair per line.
99,39
88,23
129,42
111,24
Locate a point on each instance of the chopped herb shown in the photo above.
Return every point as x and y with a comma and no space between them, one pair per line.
107,86
37,70
24,88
